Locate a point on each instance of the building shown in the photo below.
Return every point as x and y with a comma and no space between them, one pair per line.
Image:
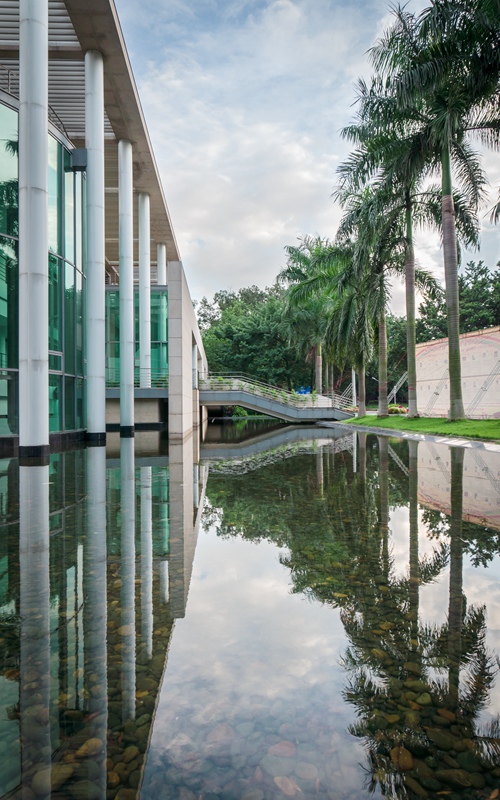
480,354
96,322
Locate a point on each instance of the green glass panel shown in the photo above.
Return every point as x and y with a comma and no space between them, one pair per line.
69,404
159,360
9,403
112,337
9,304
55,362
55,402
159,317
69,214
9,194
136,320
79,322
80,411
54,209
78,221
55,304
69,319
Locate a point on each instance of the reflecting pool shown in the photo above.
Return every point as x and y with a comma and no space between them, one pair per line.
303,613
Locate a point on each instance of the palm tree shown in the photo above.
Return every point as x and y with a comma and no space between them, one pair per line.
403,200
300,260
438,116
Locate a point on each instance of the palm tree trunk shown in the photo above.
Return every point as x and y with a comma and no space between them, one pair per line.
383,446
319,368
361,391
451,279
455,609
382,365
362,455
411,337
413,594
327,377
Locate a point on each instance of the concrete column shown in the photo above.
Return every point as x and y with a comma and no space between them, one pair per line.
95,609
126,249
353,371
164,581
95,305
144,291
33,229
161,261
127,497
34,610
147,561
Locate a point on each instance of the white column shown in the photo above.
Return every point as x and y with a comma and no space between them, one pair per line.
144,291
353,386
127,562
147,561
33,229
35,630
95,305
95,609
126,248
161,261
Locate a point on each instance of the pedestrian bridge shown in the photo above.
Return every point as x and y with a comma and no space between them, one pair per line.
240,390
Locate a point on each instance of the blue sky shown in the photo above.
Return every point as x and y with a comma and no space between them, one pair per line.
244,101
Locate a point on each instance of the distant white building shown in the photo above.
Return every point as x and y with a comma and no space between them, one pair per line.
480,353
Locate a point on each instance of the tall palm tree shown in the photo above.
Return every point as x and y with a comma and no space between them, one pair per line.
439,117
397,174
300,266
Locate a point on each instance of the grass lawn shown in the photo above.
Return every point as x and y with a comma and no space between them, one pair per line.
438,426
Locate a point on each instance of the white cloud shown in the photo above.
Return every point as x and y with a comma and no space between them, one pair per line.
244,102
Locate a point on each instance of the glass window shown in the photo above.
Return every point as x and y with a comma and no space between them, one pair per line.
9,305
69,404
55,304
55,402
78,221
54,209
79,322
69,212
112,337
9,403
69,319
8,171
80,410
55,362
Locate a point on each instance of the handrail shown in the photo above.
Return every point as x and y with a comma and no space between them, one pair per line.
12,77
242,382
143,379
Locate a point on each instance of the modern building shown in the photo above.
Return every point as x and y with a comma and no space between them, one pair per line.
97,328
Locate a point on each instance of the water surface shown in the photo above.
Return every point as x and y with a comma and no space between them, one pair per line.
318,619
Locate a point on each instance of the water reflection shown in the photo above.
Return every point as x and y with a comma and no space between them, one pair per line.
250,716
384,683
86,617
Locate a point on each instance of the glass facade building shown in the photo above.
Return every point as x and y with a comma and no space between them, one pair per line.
159,336
66,204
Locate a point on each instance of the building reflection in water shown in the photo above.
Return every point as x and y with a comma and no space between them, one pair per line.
89,593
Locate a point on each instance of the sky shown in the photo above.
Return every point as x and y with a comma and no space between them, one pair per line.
244,101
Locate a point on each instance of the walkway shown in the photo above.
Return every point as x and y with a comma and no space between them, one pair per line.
239,390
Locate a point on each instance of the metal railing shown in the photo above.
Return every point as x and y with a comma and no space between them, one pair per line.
143,379
9,82
244,383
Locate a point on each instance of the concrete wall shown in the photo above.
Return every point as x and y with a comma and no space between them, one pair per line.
481,493
480,353
182,333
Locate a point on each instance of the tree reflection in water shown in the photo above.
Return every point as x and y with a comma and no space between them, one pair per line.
418,689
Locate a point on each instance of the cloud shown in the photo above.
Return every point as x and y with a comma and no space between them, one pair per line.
244,102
